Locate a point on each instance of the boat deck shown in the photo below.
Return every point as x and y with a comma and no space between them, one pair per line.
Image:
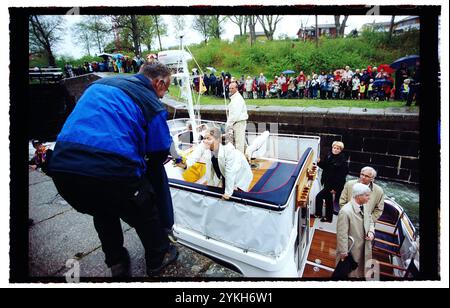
321,259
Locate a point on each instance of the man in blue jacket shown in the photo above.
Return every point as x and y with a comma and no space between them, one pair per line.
108,163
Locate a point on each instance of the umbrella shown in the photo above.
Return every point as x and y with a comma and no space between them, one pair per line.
212,69
386,68
288,72
118,55
409,60
346,266
382,82
339,71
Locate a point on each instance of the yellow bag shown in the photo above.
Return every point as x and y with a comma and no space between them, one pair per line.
202,86
195,172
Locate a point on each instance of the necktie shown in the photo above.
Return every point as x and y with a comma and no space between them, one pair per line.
215,164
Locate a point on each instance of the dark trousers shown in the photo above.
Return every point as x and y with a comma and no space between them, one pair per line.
413,90
108,202
326,195
262,93
301,93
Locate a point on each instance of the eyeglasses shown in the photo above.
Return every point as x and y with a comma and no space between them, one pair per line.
166,85
366,176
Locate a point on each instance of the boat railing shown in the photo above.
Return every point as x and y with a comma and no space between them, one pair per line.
287,147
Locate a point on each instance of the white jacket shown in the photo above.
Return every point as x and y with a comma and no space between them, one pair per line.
232,164
249,85
237,110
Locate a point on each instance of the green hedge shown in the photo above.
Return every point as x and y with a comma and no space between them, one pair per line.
272,57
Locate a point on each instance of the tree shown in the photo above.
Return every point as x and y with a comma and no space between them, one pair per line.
252,20
269,24
391,28
147,30
161,28
201,24
130,23
340,27
241,21
99,30
179,24
215,26
245,24
44,34
81,35
91,29
317,32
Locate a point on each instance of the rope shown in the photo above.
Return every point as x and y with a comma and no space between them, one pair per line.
197,101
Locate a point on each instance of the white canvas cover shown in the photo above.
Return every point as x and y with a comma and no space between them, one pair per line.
248,227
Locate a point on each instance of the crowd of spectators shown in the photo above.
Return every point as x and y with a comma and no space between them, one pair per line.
119,64
372,83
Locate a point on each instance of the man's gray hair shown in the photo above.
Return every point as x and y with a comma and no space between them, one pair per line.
372,171
215,133
155,70
360,189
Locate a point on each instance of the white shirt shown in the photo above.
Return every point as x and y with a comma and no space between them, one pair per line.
281,81
249,85
237,110
347,74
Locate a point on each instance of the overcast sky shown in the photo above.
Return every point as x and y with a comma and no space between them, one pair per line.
289,25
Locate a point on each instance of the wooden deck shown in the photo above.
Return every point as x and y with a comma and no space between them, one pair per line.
312,271
323,248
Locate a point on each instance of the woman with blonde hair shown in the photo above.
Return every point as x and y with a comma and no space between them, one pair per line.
335,170
228,167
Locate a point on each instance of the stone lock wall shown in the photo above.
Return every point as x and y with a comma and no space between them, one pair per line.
51,103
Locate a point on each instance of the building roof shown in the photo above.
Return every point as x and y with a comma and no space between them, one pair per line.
375,24
407,18
388,23
320,26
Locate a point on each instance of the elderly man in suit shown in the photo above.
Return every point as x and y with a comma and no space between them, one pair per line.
375,205
355,220
237,117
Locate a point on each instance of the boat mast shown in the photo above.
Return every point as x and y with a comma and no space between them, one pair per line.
190,103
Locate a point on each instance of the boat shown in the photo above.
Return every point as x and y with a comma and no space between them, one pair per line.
269,231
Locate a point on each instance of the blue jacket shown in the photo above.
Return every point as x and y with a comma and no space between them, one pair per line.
115,123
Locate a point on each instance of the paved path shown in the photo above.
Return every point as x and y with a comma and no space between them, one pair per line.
58,233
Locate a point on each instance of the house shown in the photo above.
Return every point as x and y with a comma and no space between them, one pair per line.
408,23
377,26
260,37
309,33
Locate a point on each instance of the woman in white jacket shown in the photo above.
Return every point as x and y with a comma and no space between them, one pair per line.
227,167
